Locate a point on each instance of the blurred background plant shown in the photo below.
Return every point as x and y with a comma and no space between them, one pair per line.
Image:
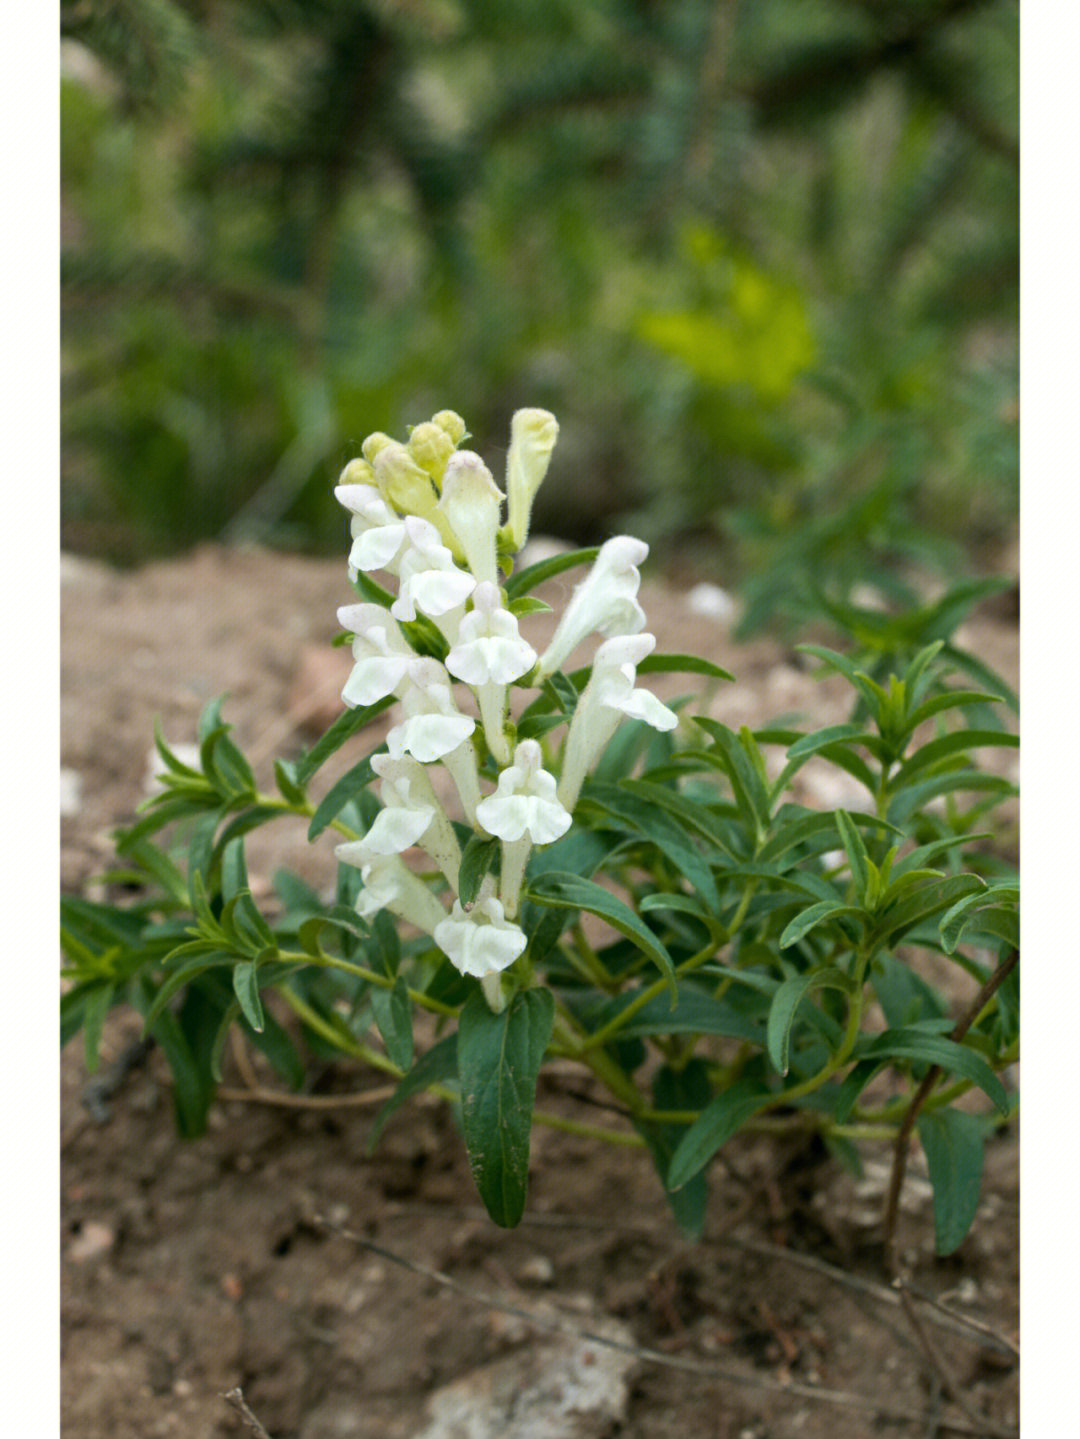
761,260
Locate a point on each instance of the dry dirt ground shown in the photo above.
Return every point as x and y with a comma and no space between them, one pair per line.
356,1297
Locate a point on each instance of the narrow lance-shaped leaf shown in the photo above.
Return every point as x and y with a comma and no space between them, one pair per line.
393,1016
570,891
714,1126
786,1002
953,1144
435,1066
246,988
499,1057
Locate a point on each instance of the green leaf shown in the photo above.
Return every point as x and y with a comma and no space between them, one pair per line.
234,876
569,891
179,977
673,1089
947,745
681,665
528,605
964,911
923,1048
695,1012
870,691
750,794
158,866
714,1126
894,920
192,1087
393,1017
528,579
99,1001
477,859
656,825
285,776
805,921
858,858
344,727
354,782
953,1144
246,988
786,1002
833,734
816,829
951,699
499,1058
690,813
435,1066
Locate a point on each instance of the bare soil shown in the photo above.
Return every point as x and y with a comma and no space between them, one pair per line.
274,1253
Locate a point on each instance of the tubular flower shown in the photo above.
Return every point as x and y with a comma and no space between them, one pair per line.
390,884
433,725
489,648
532,438
489,654
524,810
607,699
411,814
481,942
605,601
430,580
525,802
378,534
381,653
471,505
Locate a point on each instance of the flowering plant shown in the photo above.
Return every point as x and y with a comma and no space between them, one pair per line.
558,864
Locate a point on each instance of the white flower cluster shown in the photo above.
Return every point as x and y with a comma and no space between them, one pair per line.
429,514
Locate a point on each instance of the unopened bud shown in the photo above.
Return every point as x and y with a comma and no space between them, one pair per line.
357,472
471,503
451,424
431,447
373,444
402,483
532,438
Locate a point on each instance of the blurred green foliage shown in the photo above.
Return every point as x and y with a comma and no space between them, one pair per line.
760,259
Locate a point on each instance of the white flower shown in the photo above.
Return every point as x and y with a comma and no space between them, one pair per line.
489,654
481,942
433,726
390,884
525,802
489,648
378,533
606,700
471,505
605,601
430,580
532,438
411,814
381,653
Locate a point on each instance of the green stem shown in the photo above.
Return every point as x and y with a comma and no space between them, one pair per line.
328,961
344,1042
644,997
305,811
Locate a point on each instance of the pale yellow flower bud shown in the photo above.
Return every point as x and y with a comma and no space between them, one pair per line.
402,483
373,444
451,424
532,438
357,472
431,447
